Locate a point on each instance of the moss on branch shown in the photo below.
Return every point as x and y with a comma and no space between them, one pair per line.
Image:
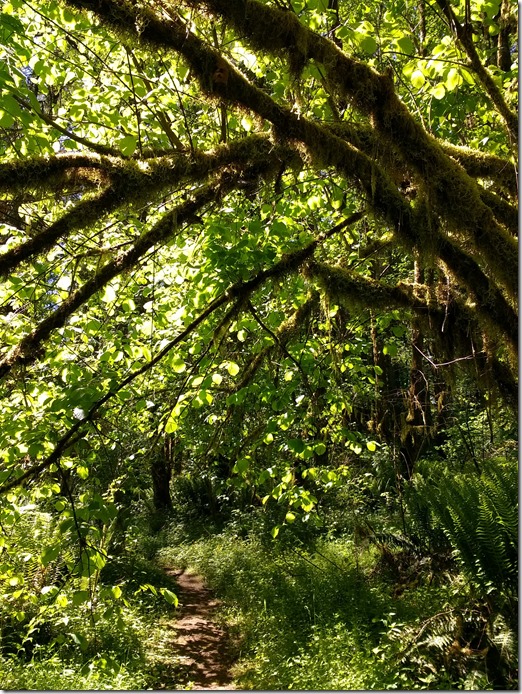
131,182
361,293
455,195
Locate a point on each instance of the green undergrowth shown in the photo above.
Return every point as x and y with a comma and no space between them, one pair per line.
326,617
56,673
426,599
92,636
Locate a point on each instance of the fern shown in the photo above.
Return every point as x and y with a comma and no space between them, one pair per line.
462,642
479,517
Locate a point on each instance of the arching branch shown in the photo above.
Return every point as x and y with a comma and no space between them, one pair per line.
351,289
240,290
455,195
28,349
132,181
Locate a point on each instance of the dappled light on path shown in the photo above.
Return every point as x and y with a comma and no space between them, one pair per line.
202,647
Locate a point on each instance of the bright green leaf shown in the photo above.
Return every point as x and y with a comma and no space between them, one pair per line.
406,45
169,596
82,471
128,145
368,44
117,592
417,79
80,596
453,79
172,424
232,368
438,91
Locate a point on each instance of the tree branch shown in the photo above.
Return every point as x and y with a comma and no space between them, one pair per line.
27,350
454,194
94,146
240,290
132,181
351,289
465,38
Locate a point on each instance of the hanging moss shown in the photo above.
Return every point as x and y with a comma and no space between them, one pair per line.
352,290
453,193
451,323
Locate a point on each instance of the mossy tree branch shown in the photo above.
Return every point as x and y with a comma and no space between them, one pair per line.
129,182
28,349
477,164
352,290
454,195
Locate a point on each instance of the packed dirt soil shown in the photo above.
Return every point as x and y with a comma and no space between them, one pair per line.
203,649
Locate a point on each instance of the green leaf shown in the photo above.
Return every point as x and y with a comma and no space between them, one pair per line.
172,424
296,445
453,79
417,79
81,641
398,330
128,145
49,554
169,596
438,91
368,44
390,348
232,368
177,364
82,471
80,596
117,592
242,464
406,45
9,25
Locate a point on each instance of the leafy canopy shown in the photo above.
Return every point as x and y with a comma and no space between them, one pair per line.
274,232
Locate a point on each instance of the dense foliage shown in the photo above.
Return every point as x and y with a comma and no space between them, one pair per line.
258,269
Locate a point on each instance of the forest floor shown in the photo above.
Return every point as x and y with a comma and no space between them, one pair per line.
204,650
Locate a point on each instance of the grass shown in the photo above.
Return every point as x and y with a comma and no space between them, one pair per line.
56,673
109,645
320,618
316,609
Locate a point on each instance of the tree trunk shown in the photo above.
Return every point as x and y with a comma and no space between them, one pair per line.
161,472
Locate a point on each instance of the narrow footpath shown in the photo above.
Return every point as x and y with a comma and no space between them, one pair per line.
204,650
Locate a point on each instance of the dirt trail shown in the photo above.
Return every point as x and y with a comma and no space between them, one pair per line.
204,650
